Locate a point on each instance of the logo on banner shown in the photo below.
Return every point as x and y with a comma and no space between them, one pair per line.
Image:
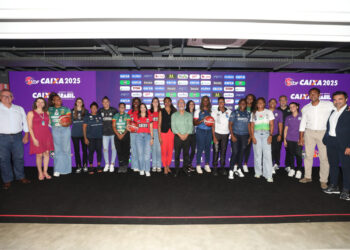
182,82
125,94
125,100
159,76
205,76
159,94
229,101
136,88
217,88
182,76
171,76
194,95
205,82
124,76
171,82
229,77
136,94
194,82
290,82
30,80
240,77
229,88
240,83
124,82
230,83
136,76
217,83
159,88
41,94
217,77
206,94
182,94
147,94
217,94
170,94
240,89
159,82
124,88
147,88
194,88
205,89
323,96
147,82
136,82
195,76
228,94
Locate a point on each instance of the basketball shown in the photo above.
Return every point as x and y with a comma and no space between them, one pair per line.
133,127
209,121
65,120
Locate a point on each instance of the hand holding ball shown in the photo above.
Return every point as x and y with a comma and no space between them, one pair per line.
133,127
65,120
209,121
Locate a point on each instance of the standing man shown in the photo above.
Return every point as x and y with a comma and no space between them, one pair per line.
182,126
221,132
13,122
284,108
337,141
312,129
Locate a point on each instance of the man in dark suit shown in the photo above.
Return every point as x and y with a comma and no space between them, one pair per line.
337,141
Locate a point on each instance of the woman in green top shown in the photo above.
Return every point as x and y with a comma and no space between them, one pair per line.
60,122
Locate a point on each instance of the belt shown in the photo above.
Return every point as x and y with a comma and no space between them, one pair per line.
12,134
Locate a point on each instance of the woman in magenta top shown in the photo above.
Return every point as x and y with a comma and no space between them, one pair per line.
41,142
156,153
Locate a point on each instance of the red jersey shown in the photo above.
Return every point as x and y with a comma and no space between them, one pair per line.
144,124
154,116
133,115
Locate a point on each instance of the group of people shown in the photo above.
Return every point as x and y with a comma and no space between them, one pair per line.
155,133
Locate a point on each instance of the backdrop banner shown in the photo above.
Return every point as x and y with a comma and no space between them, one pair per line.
122,86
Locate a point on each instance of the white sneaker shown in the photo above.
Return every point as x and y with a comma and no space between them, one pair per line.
269,180
199,169
148,174
298,174
207,168
287,169
291,173
245,168
230,175
106,168
136,170
257,176
159,170
235,168
239,173
154,169
273,170
276,167
56,174
111,168
142,172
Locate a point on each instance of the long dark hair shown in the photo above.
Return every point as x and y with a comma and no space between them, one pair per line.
139,113
172,108
50,99
188,106
254,100
35,106
132,104
75,110
202,105
159,108
255,108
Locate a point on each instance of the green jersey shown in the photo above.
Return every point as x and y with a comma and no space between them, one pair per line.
55,113
121,121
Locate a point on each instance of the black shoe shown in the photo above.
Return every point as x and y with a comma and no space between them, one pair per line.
187,171
215,171
125,169
191,169
223,171
120,169
345,196
176,172
331,190
99,169
91,170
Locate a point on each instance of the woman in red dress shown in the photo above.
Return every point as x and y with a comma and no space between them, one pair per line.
41,142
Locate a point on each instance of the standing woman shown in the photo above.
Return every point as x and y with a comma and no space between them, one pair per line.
133,113
107,112
191,108
261,133
166,136
291,140
78,113
203,134
239,125
277,134
61,136
41,142
251,100
93,133
144,140
122,137
156,153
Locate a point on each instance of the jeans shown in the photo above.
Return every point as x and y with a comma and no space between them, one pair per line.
143,147
262,154
184,146
11,146
247,152
62,159
106,140
95,145
203,138
192,147
238,148
276,150
134,159
220,149
123,149
295,151
76,143
156,153
336,156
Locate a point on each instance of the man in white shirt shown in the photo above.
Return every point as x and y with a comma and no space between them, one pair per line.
313,126
13,122
221,133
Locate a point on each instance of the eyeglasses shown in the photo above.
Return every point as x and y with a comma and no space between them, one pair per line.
6,96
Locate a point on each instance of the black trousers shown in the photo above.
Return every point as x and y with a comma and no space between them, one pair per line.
247,152
76,143
287,161
123,149
184,146
95,145
220,149
238,148
337,157
192,147
295,152
276,150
